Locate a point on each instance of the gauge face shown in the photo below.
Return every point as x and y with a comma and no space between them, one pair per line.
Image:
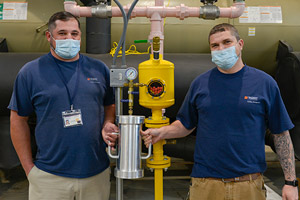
131,73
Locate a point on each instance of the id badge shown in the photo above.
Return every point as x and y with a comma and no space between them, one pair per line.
72,118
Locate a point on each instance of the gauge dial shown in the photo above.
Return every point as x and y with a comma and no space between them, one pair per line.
131,73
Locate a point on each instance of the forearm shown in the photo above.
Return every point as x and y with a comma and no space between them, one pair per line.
109,114
174,130
285,151
109,127
20,136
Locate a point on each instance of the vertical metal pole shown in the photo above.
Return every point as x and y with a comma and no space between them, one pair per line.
119,111
118,103
119,188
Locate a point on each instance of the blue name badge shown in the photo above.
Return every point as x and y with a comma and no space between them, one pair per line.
72,118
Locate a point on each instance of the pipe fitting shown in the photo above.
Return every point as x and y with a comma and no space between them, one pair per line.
234,11
183,12
72,7
209,12
156,44
102,11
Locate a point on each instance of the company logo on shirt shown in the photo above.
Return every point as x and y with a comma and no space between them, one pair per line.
93,80
251,99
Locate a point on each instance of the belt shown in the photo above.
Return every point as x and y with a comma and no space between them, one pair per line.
247,177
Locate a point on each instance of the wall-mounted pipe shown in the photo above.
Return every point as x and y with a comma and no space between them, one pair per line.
158,12
181,12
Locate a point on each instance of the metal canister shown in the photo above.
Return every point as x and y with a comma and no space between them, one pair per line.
129,165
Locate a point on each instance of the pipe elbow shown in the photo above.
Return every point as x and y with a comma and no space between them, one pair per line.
72,7
234,11
237,10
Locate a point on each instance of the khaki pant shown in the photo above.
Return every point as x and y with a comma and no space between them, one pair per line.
46,186
208,189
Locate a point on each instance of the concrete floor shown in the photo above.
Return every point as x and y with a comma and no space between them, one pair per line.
176,182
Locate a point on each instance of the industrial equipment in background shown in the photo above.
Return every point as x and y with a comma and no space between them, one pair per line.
156,79
262,58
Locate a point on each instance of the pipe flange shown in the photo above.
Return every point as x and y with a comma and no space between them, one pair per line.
102,11
209,12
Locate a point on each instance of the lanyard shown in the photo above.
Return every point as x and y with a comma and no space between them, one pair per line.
62,77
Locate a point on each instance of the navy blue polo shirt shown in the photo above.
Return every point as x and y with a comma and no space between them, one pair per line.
79,151
231,113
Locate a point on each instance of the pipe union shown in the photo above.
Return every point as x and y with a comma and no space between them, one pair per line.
102,11
209,12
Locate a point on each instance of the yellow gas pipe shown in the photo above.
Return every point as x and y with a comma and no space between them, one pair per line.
158,75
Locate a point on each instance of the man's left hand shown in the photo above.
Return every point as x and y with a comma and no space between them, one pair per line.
289,192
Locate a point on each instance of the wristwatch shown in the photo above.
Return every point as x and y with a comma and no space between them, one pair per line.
292,183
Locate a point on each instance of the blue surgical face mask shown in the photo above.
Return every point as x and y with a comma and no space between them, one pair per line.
226,58
67,48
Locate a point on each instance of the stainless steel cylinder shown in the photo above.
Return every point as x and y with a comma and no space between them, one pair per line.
129,165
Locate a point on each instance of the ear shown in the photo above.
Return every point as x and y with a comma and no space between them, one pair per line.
241,43
48,36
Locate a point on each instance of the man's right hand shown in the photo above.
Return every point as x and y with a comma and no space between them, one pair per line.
174,130
20,137
151,136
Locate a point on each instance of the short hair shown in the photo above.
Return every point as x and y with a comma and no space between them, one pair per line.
63,16
224,27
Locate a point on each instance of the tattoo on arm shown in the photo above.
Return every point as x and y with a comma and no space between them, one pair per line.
285,151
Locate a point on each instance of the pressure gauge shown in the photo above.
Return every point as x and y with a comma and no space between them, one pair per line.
131,73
